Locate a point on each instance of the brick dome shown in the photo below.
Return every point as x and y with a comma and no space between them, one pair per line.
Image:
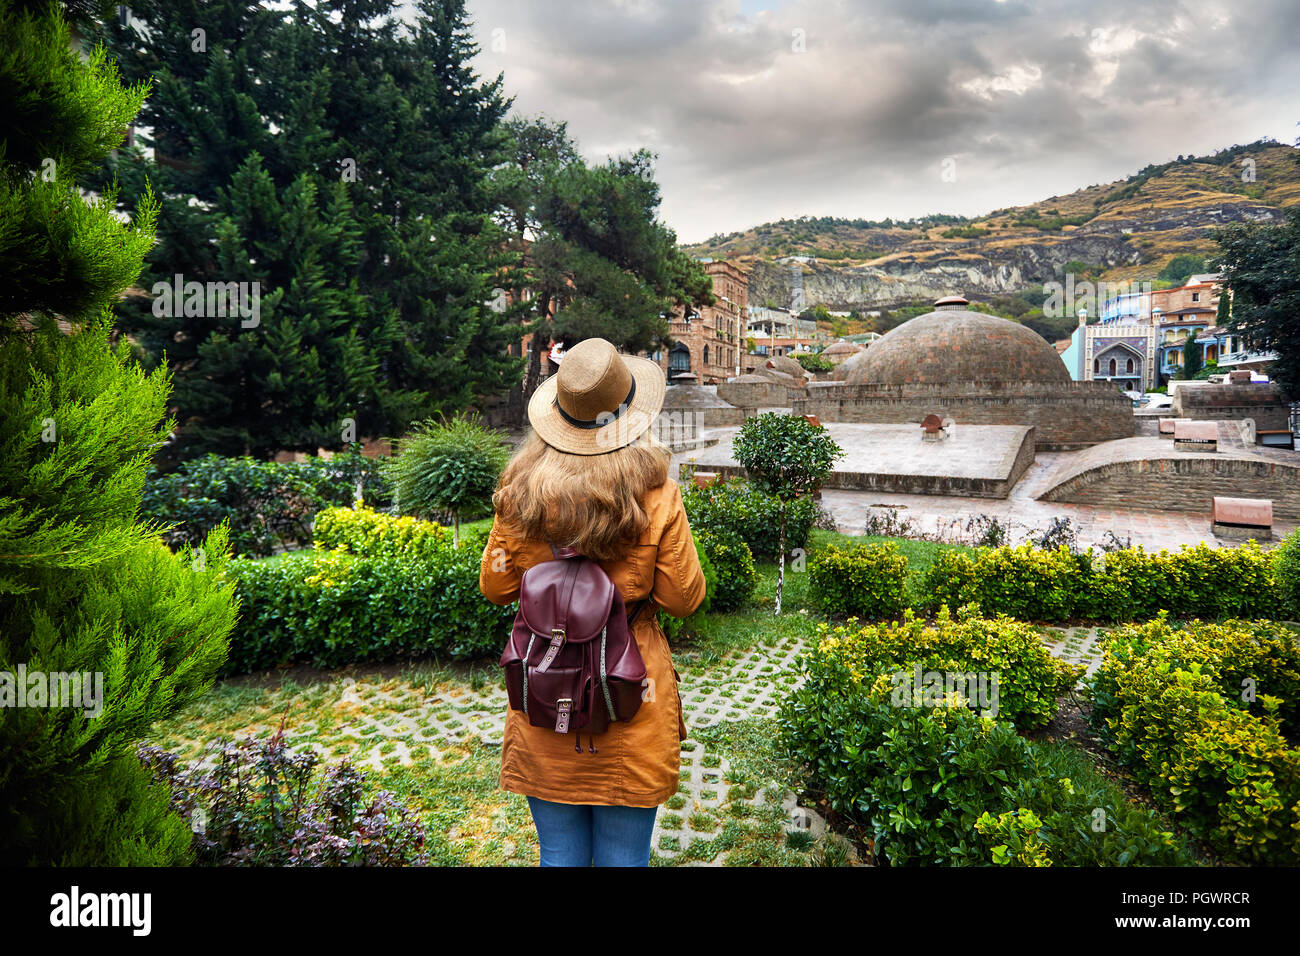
952,344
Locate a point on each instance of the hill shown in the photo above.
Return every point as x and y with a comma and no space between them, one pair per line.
1129,229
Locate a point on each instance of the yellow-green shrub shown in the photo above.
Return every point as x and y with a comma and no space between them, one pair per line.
1198,714
372,533
1030,679
1037,585
869,580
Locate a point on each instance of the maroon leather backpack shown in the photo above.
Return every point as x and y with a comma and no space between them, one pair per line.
572,663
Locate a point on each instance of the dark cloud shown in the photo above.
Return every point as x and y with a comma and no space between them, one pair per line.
831,107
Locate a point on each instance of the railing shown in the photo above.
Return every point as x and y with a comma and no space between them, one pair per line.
1240,358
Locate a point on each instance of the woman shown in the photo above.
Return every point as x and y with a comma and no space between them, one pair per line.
591,477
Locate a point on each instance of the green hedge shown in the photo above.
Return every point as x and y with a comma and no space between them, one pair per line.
735,576
1200,716
866,580
944,786
269,504
1286,570
1032,584
738,507
331,608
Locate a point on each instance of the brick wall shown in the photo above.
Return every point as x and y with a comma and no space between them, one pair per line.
1183,484
1262,402
1063,415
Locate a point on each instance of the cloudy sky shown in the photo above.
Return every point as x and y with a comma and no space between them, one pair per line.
760,109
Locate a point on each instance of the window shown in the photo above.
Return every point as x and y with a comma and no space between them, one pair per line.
1096,366
1129,367
706,355
1196,297
679,359
1112,368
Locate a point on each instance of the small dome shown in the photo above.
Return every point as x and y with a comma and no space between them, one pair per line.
953,344
841,348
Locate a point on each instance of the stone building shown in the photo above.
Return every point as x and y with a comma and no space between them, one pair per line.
710,341
977,369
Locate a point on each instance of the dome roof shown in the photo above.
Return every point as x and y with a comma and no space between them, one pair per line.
952,344
841,348
845,368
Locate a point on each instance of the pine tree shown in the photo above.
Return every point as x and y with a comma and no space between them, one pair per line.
339,159
87,588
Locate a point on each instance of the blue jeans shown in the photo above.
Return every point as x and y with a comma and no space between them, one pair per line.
587,835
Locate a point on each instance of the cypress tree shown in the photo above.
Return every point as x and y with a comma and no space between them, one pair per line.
86,589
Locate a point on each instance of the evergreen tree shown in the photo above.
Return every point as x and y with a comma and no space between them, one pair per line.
600,263
87,589
339,159
1261,265
1191,356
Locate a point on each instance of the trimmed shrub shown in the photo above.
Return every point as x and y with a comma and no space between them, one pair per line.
1197,714
1197,581
1023,582
1286,571
262,805
331,608
677,628
1029,678
375,534
1121,585
269,504
738,507
733,567
866,580
942,786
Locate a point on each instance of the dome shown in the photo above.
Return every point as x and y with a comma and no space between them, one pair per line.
844,369
841,348
952,344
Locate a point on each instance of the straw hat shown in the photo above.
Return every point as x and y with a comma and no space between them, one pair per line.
599,401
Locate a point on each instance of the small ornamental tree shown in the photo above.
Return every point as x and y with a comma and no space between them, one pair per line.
786,456
447,466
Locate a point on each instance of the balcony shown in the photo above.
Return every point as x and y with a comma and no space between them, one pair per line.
1247,357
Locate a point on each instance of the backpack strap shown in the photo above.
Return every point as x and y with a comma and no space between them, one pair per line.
559,553
640,605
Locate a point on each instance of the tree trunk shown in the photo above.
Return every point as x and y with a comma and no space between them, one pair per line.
780,567
535,350
455,530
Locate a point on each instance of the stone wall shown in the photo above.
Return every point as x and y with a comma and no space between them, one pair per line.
1183,484
756,394
1065,415
1263,402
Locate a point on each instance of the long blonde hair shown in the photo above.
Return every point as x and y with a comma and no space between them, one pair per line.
591,503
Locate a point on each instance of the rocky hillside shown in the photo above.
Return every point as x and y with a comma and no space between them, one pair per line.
1130,229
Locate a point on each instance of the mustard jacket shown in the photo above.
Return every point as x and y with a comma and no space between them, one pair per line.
637,763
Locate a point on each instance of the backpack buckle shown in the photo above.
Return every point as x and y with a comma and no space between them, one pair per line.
563,707
557,641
